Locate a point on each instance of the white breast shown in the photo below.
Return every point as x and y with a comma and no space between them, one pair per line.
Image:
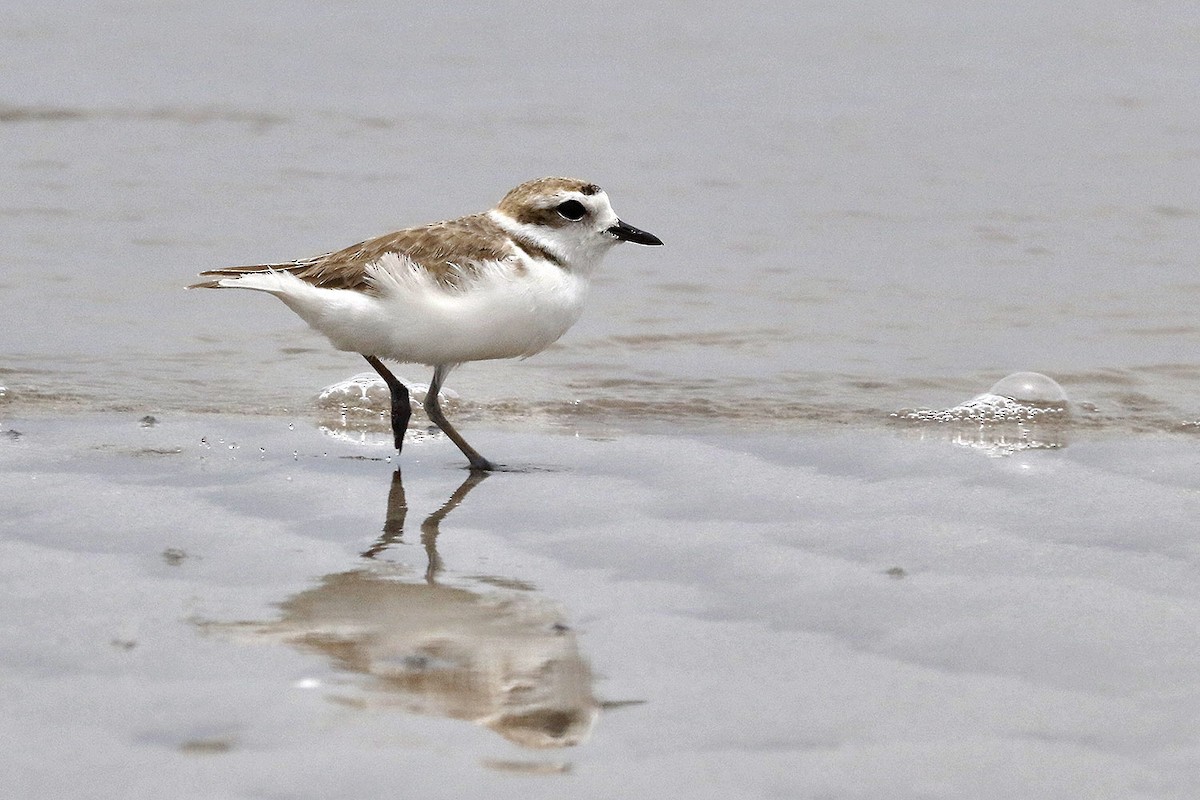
509,310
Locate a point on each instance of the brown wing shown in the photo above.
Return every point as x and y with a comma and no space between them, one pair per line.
449,251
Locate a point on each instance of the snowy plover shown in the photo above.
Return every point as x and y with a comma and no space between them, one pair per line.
501,284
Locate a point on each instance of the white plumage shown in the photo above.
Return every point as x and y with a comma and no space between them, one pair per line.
414,319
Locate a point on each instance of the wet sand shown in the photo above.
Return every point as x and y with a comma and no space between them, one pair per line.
219,606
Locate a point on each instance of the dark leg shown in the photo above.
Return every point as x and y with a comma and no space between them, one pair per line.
401,408
438,418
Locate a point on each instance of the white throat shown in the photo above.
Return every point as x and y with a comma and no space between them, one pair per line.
579,254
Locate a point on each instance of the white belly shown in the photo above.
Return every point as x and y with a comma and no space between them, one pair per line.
503,313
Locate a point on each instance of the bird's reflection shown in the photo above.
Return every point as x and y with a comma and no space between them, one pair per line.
397,512
483,650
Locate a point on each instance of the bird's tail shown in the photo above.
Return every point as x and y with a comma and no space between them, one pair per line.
227,277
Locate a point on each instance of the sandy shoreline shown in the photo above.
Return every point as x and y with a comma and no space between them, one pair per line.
221,606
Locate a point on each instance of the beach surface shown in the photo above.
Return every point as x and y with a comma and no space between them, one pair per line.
211,606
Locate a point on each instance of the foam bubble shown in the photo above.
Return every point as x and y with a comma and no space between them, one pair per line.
366,391
1019,397
1030,387
1022,411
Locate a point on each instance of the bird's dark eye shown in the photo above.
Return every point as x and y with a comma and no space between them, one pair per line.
571,209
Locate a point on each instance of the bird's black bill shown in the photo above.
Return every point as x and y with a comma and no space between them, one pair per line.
628,233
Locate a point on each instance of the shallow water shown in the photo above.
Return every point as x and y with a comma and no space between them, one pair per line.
868,210
857,220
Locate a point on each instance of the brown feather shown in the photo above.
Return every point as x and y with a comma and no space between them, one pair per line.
449,251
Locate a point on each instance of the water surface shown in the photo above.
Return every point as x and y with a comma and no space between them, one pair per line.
866,208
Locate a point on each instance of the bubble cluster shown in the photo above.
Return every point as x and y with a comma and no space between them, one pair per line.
1019,397
358,409
1022,411
366,391
984,408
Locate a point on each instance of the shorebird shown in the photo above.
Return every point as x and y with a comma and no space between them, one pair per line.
504,283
